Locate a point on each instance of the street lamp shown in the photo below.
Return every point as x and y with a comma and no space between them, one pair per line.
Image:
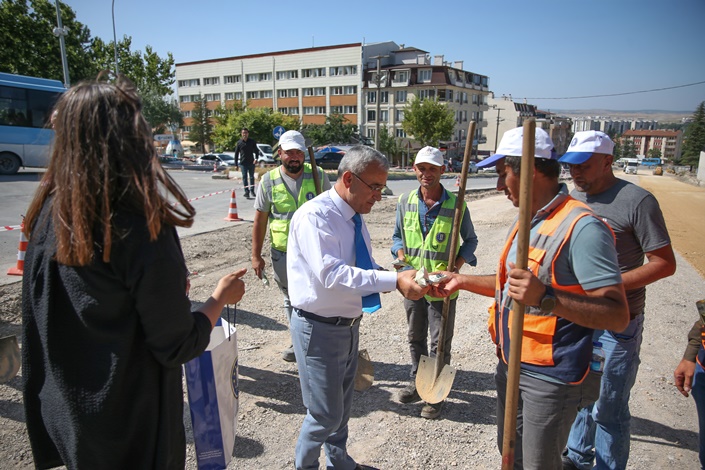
60,31
378,82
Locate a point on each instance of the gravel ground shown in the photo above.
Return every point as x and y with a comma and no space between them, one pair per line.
383,432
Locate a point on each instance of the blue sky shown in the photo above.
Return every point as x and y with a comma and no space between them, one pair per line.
534,49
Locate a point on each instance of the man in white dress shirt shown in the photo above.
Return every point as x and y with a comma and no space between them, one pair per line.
327,290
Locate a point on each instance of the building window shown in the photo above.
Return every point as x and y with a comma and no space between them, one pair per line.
349,109
427,94
287,75
336,110
238,95
315,72
371,96
401,76
185,99
258,77
384,115
190,82
319,91
400,96
307,92
425,75
308,110
232,79
187,128
350,90
213,97
266,94
252,95
294,110
371,115
229,96
343,70
186,114
336,90
384,97
400,133
211,81
399,115
320,110
290,93
371,133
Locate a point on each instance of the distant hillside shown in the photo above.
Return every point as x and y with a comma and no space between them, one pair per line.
646,114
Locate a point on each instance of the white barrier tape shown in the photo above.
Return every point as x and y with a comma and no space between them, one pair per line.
5,228
205,196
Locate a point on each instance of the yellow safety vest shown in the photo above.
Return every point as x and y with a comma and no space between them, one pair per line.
284,205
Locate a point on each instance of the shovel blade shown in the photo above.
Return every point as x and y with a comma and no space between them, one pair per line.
10,359
430,388
365,374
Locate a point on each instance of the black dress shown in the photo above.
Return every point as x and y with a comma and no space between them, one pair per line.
102,349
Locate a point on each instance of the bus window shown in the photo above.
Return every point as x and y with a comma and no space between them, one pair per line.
26,104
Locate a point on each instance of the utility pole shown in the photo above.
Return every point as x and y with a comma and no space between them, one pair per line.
496,133
60,32
117,70
378,82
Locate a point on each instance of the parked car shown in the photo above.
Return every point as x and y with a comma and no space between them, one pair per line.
328,160
220,159
265,154
457,166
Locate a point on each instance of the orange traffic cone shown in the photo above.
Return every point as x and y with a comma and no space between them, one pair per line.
457,181
19,269
232,213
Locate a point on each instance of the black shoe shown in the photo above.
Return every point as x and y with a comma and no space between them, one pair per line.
408,394
247,195
365,467
288,354
431,411
568,464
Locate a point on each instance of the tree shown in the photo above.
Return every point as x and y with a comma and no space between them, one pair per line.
336,130
28,45
654,153
260,122
201,127
388,145
694,138
428,121
627,149
161,114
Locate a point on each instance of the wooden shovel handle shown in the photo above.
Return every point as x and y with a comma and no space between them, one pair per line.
457,217
314,168
512,391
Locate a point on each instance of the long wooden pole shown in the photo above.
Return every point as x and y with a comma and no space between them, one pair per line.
316,178
517,328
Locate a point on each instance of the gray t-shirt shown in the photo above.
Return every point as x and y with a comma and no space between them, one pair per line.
638,225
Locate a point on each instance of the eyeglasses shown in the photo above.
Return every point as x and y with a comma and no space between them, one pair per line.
376,188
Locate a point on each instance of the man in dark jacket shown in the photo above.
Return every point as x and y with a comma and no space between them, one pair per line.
246,151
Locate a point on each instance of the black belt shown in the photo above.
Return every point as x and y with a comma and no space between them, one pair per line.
342,321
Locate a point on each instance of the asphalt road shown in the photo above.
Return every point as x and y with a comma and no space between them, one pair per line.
210,197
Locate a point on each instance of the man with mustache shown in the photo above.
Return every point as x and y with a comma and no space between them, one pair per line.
282,191
422,238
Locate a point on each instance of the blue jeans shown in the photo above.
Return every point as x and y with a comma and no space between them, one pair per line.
326,356
601,431
699,396
248,170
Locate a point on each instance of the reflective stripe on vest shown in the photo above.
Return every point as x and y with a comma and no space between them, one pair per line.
433,251
284,205
551,345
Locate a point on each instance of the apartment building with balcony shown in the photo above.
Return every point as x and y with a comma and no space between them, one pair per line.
611,126
668,142
315,82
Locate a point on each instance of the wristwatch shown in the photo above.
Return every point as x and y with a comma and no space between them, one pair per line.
548,302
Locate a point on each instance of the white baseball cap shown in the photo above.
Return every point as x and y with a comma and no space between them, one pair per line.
429,155
512,143
292,140
584,144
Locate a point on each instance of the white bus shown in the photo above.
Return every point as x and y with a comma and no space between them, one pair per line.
26,104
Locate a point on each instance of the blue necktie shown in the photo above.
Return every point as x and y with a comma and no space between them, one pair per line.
370,303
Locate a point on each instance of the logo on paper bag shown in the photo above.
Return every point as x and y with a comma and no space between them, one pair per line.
233,380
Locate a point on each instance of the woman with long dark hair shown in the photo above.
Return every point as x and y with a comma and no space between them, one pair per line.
107,322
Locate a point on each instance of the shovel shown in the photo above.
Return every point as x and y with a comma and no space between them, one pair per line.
434,379
9,358
365,374
512,392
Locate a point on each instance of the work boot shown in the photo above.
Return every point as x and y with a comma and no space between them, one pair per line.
247,194
288,354
409,394
431,411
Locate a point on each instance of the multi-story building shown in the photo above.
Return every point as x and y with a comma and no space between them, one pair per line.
511,114
668,142
369,84
611,126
